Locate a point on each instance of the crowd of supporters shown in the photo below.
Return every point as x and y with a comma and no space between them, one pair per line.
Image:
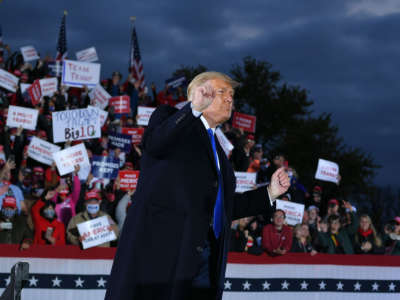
38,206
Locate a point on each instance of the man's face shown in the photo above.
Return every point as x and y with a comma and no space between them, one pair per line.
279,160
335,225
279,218
220,109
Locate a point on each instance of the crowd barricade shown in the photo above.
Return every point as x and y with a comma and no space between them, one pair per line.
68,272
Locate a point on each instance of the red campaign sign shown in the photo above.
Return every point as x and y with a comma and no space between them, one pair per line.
245,122
136,133
35,92
121,104
128,180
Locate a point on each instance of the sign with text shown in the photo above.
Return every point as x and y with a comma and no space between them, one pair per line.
68,158
29,53
88,55
294,211
34,92
42,151
245,181
144,114
245,122
105,167
96,232
22,116
175,82
76,124
224,142
24,86
119,140
327,171
102,115
99,96
48,86
8,81
135,133
128,180
121,104
78,73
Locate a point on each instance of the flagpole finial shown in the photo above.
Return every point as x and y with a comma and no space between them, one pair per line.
65,12
133,18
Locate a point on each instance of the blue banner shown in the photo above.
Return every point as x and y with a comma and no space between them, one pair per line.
119,140
105,167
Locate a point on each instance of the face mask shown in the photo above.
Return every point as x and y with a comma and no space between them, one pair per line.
49,213
12,138
8,213
93,208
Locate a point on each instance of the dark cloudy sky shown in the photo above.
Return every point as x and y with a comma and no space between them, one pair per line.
346,53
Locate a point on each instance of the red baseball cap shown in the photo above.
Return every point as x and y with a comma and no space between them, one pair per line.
317,189
9,202
333,201
93,194
38,171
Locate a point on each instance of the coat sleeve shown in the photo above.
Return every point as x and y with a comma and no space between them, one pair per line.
251,203
164,127
266,239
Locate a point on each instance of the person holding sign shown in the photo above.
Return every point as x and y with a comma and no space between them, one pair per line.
175,239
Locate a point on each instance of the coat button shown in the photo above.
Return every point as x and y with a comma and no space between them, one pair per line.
199,249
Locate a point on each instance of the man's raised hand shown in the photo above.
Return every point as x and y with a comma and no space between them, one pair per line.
203,96
279,184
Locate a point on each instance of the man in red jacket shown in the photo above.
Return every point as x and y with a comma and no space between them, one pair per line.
277,237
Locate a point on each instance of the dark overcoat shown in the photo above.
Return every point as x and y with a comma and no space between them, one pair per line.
165,230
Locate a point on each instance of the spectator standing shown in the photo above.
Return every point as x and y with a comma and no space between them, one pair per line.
366,240
277,237
302,240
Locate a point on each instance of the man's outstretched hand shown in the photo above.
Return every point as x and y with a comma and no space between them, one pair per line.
279,184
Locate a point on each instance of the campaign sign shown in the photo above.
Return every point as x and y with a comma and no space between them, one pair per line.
121,104
78,73
55,68
34,92
96,232
121,141
105,167
42,151
243,121
76,124
24,86
88,55
48,86
102,115
327,171
224,142
135,133
144,114
22,116
175,82
245,181
294,211
128,180
99,96
68,158
8,81
29,53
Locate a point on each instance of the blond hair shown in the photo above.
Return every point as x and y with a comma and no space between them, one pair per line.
206,76
376,238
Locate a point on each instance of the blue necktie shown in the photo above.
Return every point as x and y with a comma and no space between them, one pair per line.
217,221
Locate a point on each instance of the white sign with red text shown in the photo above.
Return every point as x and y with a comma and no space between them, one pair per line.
245,181
102,114
78,73
22,116
99,96
224,142
42,151
29,53
8,81
96,232
293,211
68,158
327,171
48,86
88,55
144,114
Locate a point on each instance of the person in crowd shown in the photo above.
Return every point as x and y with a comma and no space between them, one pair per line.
256,158
278,161
277,237
114,86
302,240
392,237
244,236
367,240
13,227
316,198
122,207
337,240
92,203
9,189
313,216
240,157
333,208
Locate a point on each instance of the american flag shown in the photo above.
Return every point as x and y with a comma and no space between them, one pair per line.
62,41
135,60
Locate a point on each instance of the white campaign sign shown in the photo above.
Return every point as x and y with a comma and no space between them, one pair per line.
29,53
48,86
42,151
144,114
96,232
8,81
24,86
99,96
245,181
102,114
327,171
22,116
78,73
88,55
76,124
294,211
223,141
68,158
